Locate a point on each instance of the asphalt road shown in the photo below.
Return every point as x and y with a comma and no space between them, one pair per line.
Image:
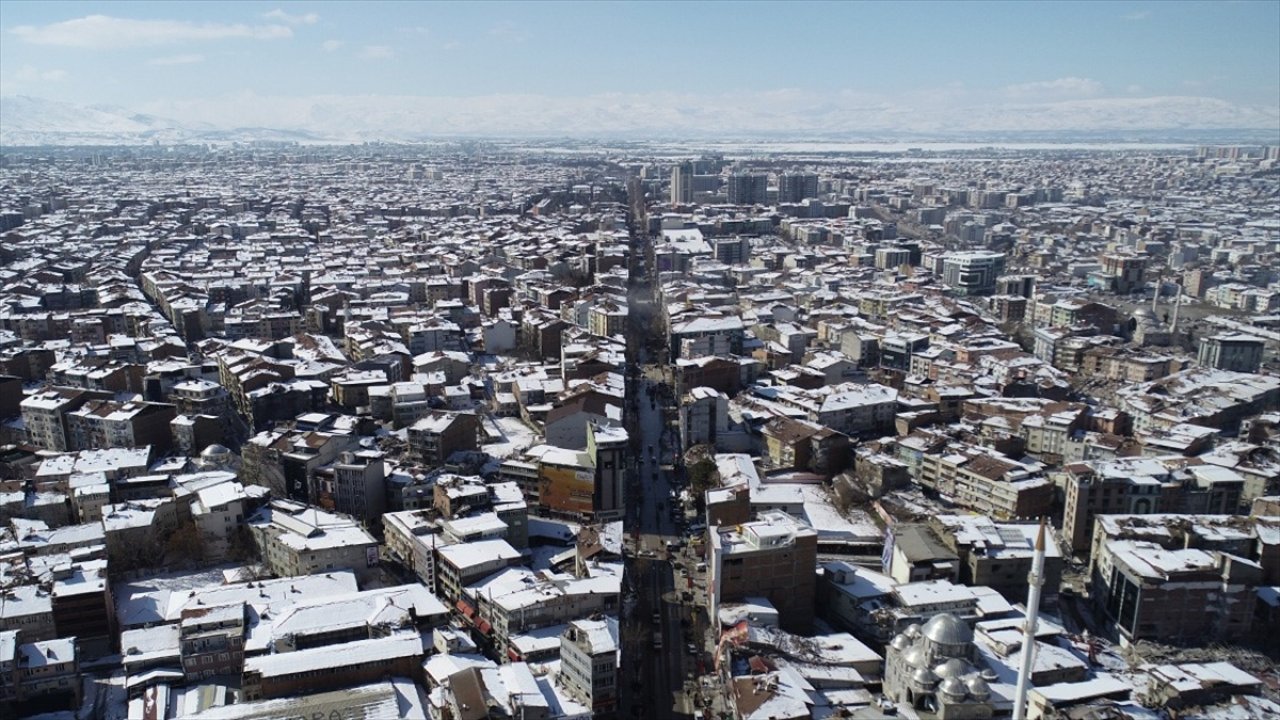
654,660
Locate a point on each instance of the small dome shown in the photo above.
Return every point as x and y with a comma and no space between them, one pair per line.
952,668
924,677
990,675
953,687
899,642
915,658
913,630
978,688
946,629
215,451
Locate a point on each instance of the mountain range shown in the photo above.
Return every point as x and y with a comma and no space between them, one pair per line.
29,121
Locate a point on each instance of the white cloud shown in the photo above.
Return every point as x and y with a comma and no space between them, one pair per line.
1138,15
331,45
29,74
102,32
1062,87
28,78
376,52
282,16
188,59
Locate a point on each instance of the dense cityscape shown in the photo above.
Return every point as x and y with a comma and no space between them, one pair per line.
544,430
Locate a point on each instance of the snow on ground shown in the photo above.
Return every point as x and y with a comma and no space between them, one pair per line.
178,581
170,583
516,437
559,702
110,701
556,530
88,697
912,500
857,526
540,557
611,536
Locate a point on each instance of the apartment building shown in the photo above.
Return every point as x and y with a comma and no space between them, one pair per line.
44,415
1236,352
108,424
998,555
463,564
49,668
354,485
1179,596
440,434
211,640
412,537
295,539
972,272
290,674
1142,486
1213,398
589,654
772,557
517,600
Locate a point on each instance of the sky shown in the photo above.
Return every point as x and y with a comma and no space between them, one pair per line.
490,64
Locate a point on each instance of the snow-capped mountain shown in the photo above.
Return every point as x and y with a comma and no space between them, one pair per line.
28,121
37,121
34,121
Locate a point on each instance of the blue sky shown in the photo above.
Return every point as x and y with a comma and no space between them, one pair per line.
182,57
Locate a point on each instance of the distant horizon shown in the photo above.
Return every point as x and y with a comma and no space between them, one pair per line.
32,121
379,70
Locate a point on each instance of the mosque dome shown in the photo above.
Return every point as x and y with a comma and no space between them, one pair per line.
946,629
215,452
899,642
924,677
953,687
978,688
952,668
